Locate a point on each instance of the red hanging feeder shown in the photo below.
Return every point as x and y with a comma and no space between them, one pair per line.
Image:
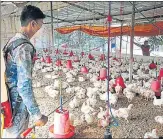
102,57
160,74
58,63
103,74
65,52
64,45
90,57
69,64
115,59
35,57
156,87
48,59
109,18
152,65
82,54
62,127
71,53
84,70
120,81
76,59
42,59
57,51
45,50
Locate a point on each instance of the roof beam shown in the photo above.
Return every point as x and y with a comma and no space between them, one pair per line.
142,10
86,9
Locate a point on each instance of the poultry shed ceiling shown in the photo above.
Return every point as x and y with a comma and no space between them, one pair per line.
68,13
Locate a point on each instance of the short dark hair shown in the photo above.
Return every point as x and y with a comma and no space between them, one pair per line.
30,13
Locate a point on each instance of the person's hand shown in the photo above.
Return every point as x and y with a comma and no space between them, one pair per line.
42,121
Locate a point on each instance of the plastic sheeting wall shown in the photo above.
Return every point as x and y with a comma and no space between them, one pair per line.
11,25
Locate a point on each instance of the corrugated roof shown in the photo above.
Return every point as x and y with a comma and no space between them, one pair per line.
76,13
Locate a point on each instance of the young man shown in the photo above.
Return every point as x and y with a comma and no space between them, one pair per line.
145,48
19,74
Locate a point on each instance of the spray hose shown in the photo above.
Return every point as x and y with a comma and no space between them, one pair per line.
115,121
2,124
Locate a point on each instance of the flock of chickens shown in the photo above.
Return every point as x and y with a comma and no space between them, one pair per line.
86,100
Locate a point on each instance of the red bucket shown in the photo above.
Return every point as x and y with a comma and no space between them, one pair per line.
58,63
84,70
71,53
160,74
65,52
62,127
156,87
102,57
48,59
103,73
69,64
90,57
42,59
57,52
82,54
120,81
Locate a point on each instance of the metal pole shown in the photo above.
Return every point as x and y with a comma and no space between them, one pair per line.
121,37
107,134
131,42
52,28
126,45
109,26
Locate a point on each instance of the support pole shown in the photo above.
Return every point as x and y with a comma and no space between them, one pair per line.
52,28
131,42
107,134
121,38
126,45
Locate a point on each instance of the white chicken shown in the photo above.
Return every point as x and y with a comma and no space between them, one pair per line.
49,69
53,93
81,92
70,90
69,80
104,96
157,102
54,76
81,79
159,119
97,84
124,112
48,76
44,70
101,114
36,84
104,122
74,103
89,118
148,94
69,75
118,89
86,108
91,91
92,101
113,98
150,135
130,95
79,120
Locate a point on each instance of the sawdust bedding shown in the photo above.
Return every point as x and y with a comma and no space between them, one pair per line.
141,119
